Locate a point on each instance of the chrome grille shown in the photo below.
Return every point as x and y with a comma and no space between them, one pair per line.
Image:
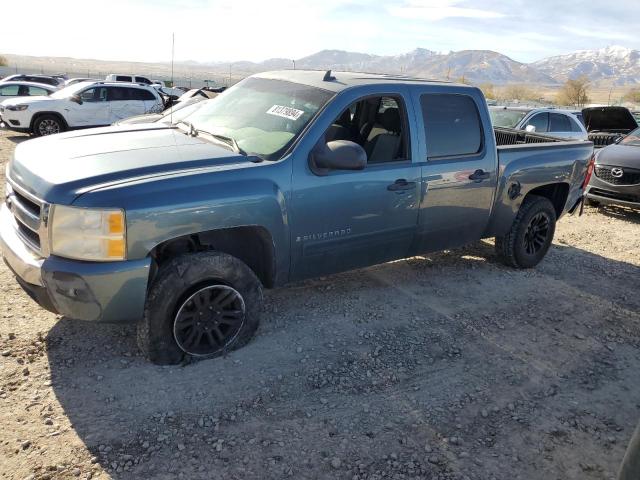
31,217
630,176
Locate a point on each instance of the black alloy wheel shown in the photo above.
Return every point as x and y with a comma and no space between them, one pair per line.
537,232
209,320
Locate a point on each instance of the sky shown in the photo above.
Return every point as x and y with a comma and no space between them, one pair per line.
255,30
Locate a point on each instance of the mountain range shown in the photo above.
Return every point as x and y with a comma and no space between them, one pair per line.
614,65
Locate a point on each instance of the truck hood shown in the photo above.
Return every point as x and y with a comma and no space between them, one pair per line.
608,119
60,167
619,156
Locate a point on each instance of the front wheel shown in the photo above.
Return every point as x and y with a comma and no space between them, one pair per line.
531,234
200,305
47,125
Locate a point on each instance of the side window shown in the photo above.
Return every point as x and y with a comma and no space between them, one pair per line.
574,125
377,124
117,94
540,121
452,125
143,80
123,78
140,94
559,123
9,91
34,91
96,94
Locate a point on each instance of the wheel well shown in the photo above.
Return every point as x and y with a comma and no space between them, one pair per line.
252,244
557,194
40,114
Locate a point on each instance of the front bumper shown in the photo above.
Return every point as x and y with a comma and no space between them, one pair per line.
96,291
607,193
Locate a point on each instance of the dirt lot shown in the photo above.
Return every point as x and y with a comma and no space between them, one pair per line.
449,366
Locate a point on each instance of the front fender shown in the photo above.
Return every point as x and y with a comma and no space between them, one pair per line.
162,209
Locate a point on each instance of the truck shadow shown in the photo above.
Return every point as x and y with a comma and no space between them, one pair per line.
133,415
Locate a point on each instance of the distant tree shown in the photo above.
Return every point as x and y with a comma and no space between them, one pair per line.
3,61
575,92
633,96
463,80
489,91
520,92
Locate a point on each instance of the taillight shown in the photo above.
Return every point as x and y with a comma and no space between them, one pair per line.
590,167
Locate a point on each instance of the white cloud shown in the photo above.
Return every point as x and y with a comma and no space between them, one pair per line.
436,10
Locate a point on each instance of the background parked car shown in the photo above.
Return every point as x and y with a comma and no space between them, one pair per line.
46,79
172,114
116,77
85,104
607,125
13,89
73,81
559,123
616,178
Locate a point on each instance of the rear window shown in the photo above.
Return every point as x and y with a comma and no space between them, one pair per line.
452,125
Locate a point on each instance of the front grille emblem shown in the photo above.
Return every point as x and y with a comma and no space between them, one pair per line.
617,172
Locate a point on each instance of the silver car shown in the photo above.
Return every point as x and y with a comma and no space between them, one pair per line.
559,123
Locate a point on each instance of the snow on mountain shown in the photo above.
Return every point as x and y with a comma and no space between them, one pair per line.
618,64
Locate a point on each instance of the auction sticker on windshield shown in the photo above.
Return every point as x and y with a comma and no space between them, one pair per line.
285,112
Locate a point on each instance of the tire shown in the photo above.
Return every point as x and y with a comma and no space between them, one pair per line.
198,296
48,125
531,234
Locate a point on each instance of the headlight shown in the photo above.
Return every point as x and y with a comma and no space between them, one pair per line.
87,234
17,108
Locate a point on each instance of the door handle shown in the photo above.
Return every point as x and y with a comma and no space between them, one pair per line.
479,175
400,185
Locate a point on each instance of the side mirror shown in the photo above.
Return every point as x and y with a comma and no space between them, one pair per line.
618,140
337,155
530,129
76,99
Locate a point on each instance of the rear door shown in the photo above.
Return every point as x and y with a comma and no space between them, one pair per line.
459,168
124,102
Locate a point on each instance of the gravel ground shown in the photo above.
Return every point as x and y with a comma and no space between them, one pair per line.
448,366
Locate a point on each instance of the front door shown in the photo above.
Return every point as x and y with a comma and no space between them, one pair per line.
349,219
459,172
93,109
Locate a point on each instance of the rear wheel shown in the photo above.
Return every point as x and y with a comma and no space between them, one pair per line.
200,305
47,125
531,234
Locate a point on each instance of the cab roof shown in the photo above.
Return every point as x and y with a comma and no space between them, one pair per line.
339,81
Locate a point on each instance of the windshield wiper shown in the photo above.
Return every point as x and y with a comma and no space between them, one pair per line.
192,132
228,141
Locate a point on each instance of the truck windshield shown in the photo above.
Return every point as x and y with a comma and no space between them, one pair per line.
632,139
263,116
501,117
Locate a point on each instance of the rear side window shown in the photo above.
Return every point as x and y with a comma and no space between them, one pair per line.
141,94
540,121
452,125
122,78
559,123
33,91
116,94
574,125
143,80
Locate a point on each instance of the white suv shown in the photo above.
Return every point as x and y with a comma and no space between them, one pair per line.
82,105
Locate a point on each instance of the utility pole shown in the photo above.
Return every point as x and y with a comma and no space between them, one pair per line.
294,64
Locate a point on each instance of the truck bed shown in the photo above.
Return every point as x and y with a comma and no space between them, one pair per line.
509,136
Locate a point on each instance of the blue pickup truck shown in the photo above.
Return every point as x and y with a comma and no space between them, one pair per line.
287,175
